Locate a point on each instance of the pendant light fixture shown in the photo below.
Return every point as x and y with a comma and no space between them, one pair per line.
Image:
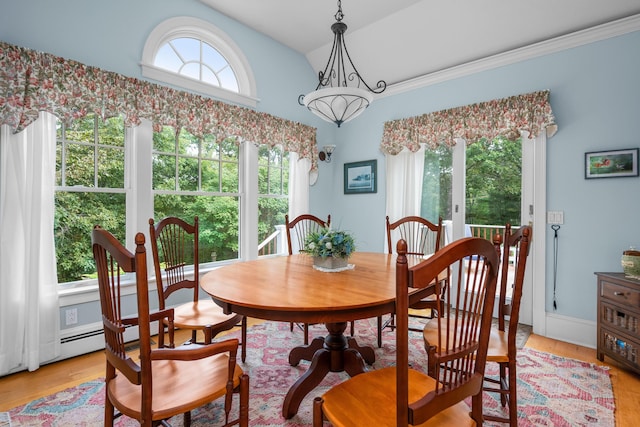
341,94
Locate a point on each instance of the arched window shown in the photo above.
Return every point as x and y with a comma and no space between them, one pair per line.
192,53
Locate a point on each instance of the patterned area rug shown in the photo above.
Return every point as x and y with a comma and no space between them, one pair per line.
552,390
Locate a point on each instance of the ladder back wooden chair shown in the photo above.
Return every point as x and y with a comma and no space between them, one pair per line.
401,395
423,238
163,381
174,245
502,341
297,231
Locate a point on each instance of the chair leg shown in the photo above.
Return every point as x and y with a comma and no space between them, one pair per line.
503,384
243,345
306,334
291,326
318,416
352,327
507,388
244,401
513,394
109,415
379,331
476,408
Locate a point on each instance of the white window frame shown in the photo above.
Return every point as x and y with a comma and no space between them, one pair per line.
138,180
201,30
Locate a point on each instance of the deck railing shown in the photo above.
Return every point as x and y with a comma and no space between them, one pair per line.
276,242
485,231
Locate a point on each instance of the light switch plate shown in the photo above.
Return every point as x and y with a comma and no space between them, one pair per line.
555,217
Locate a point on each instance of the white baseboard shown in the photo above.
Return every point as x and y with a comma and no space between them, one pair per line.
576,331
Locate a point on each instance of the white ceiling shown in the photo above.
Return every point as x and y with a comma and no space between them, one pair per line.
396,40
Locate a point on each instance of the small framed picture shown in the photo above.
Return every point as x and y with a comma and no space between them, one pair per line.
360,177
611,164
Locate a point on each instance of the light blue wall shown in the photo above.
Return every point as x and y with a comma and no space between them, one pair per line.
595,95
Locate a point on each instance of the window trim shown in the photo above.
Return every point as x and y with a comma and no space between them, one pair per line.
185,26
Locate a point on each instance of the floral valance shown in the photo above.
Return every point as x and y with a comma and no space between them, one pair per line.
32,81
500,117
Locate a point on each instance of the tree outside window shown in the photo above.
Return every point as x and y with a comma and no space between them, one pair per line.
195,176
90,190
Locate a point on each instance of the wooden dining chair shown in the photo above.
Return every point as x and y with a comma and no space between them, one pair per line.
174,245
423,238
297,231
401,395
502,341
163,381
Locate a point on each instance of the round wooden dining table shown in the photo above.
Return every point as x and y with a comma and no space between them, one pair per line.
290,289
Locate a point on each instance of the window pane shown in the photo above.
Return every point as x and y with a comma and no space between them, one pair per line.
76,212
81,171
273,205
187,48
436,185
191,70
210,77
209,147
111,132
110,168
165,141
81,130
493,186
263,179
229,150
212,58
168,59
229,177
275,181
219,222
210,176
75,216
188,144
271,212
228,79
58,161
188,174
164,172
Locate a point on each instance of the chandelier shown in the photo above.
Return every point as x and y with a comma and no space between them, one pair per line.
334,100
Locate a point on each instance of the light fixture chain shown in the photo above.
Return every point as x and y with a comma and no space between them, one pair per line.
339,15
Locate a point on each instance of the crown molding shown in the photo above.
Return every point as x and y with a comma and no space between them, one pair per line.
568,41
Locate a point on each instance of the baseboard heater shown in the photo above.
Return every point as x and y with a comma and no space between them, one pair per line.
89,338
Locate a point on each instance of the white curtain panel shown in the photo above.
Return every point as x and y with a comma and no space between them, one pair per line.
404,173
298,185
29,311
298,190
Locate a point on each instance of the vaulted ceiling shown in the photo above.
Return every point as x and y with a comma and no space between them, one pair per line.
397,40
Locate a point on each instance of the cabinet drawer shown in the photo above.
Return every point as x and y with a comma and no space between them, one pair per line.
620,294
621,319
620,347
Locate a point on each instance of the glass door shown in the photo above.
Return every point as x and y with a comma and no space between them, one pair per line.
477,189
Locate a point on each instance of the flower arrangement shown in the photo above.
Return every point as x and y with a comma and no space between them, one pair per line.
329,243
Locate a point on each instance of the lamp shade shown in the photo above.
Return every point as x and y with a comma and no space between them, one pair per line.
338,104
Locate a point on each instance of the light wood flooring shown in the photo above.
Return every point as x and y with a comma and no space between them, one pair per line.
23,387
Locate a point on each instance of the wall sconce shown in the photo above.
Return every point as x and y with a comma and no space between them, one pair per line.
325,155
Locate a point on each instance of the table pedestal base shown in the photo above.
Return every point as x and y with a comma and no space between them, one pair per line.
334,353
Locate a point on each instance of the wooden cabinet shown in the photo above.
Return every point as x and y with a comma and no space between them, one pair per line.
618,314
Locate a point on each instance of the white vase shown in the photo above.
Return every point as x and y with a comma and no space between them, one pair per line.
330,262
